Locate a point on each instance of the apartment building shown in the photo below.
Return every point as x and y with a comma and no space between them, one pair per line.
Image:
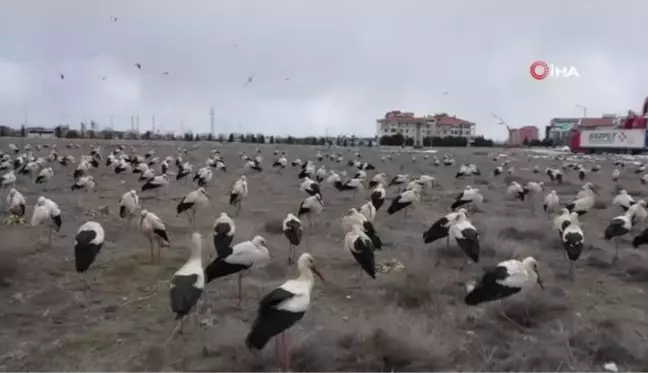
517,136
418,128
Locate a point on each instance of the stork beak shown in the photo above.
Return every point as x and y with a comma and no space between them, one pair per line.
540,281
206,195
315,271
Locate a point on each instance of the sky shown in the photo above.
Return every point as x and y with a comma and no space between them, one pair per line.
316,67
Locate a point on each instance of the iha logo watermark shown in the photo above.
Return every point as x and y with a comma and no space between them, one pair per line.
541,70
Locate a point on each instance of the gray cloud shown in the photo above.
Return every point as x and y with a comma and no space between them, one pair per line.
347,62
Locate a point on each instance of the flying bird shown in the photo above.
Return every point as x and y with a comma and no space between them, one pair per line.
139,65
249,80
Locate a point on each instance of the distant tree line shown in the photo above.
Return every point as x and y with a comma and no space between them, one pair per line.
400,140
259,138
535,142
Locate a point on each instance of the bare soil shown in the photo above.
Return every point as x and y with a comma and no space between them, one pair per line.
410,320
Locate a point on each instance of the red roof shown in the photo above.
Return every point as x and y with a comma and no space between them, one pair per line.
442,119
525,127
597,122
394,119
446,120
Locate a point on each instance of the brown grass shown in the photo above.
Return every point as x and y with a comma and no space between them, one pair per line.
8,268
412,320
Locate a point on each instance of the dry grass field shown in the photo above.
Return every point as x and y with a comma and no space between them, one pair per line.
409,320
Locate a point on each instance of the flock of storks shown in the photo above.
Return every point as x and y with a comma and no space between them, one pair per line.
287,304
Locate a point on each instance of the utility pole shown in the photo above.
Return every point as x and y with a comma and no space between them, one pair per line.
211,120
153,124
137,123
112,117
584,110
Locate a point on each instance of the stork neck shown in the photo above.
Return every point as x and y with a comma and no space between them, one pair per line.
306,276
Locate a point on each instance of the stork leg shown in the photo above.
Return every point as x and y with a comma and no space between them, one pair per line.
152,250
616,251
464,264
359,275
286,351
290,254
49,236
240,288
572,268
176,330
193,218
502,313
188,216
278,352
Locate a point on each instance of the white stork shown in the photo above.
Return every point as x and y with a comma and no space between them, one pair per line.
292,229
623,200
404,200
312,205
188,282
155,184
87,244
362,249
282,308
378,195
466,235
85,183
507,278
241,257
192,201
44,176
128,205
154,230
468,195
573,240
239,191
309,186
224,230
551,201
47,211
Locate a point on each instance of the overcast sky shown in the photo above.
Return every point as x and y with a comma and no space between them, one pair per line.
336,64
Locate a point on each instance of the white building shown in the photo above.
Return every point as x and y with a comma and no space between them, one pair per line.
418,128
